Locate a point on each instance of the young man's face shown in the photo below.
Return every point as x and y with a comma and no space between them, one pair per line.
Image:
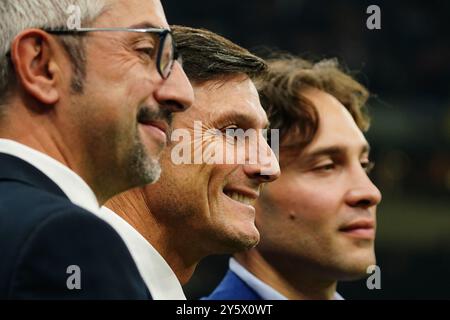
212,205
126,105
320,214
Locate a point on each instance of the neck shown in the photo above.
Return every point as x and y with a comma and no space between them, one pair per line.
41,131
170,242
33,131
292,280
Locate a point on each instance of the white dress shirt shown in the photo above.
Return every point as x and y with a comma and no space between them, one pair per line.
265,291
74,187
156,272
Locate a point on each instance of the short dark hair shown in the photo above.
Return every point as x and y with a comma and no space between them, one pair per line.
292,113
208,56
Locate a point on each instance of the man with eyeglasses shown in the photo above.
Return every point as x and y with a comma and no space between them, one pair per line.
84,115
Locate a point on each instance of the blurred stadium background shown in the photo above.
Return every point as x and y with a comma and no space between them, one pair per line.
406,65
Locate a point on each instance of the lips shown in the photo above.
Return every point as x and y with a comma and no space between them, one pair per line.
360,229
240,198
159,130
161,125
243,196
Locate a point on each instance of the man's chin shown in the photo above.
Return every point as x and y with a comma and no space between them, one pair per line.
146,170
357,270
146,162
153,172
244,241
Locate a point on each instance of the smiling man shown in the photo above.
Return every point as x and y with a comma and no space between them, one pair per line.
317,221
82,115
201,208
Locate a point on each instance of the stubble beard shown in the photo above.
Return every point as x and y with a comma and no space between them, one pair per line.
143,169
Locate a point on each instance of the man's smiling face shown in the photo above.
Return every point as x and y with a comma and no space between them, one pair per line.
215,202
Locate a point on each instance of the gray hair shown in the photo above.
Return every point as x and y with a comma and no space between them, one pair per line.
18,15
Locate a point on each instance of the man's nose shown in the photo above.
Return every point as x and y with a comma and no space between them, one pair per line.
267,168
362,192
176,93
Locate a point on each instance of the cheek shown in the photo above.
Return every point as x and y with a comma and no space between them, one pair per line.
181,176
299,199
218,176
139,91
123,82
176,193
107,115
219,209
220,151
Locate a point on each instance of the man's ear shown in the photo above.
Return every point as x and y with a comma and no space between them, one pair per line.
33,53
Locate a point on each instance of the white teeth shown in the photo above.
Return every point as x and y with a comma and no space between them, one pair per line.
240,198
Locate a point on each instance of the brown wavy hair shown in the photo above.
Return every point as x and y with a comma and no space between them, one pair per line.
292,113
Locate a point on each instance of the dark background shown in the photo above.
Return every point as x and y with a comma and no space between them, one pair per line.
406,66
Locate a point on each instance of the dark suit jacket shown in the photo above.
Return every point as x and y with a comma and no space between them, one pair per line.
42,233
233,288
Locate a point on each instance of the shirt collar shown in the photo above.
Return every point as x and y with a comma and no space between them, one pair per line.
265,291
74,187
160,279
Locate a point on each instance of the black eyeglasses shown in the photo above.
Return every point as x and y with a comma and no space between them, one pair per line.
167,51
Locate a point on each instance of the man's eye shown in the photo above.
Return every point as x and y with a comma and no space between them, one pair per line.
148,51
233,132
368,166
325,167
230,129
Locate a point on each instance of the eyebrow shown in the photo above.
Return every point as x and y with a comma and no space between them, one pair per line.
145,25
332,151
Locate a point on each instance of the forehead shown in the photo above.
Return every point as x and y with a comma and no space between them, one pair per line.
234,99
336,125
125,13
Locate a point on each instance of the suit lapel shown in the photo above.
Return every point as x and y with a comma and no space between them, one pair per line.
15,169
